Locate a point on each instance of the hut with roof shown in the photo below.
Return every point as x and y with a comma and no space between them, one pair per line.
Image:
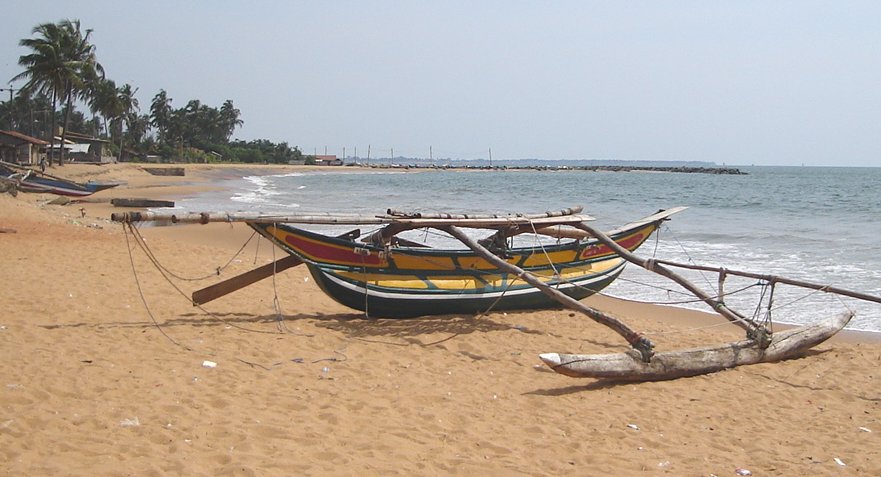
82,148
21,149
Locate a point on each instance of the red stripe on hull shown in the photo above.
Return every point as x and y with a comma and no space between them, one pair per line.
323,253
629,243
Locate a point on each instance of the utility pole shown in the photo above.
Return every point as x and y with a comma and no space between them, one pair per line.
11,90
11,118
490,158
368,154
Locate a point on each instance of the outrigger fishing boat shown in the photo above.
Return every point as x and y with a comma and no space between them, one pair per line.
385,275
30,180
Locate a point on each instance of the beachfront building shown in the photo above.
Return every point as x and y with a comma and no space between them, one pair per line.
82,148
21,148
328,160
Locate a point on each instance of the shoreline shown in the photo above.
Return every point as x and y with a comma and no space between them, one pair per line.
203,177
96,381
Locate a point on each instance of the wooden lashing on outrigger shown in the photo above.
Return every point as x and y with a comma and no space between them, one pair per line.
754,331
760,345
387,234
636,340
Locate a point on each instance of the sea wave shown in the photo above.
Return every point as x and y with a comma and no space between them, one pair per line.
806,223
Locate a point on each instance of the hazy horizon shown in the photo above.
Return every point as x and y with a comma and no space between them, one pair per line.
735,83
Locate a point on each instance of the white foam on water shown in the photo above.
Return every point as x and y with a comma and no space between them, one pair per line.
787,222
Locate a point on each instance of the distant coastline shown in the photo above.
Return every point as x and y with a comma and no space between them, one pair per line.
555,167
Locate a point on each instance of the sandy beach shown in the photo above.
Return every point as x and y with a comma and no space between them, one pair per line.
103,371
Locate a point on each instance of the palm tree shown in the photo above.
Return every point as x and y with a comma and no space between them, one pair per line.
98,90
229,116
160,115
45,68
127,111
80,55
61,56
103,100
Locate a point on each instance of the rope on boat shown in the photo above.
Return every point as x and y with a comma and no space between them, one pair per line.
141,293
216,272
366,289
145,249
139,240
688,256
497,300
276,304
550,262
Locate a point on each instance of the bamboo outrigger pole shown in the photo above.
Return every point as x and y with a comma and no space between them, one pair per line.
564,217
754,331
776,279
637,340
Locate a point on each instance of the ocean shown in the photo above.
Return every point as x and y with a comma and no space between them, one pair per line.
817,224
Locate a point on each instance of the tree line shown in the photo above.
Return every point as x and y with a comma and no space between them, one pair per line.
61,72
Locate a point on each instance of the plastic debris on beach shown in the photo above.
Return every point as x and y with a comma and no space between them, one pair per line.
209,364
864,429
839,462
740,471
633,426
130,422
325,373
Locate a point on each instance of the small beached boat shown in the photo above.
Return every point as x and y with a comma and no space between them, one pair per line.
30,180
389,276
403,280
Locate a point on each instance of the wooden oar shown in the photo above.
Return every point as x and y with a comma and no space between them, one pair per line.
230,285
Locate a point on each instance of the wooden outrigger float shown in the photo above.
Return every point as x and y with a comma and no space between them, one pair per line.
389,276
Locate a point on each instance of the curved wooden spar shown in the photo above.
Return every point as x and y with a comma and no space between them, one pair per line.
754,330
676,364
639,342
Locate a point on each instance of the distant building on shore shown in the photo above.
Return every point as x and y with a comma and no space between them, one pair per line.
328,160
21,148
83,148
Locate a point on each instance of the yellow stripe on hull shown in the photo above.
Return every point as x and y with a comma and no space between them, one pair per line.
466,282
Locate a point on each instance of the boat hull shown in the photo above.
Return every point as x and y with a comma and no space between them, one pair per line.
32,181
61,188
400,282
390,302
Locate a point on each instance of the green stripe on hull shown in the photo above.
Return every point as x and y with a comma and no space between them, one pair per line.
418,304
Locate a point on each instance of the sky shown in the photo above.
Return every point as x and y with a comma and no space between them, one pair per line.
731,82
